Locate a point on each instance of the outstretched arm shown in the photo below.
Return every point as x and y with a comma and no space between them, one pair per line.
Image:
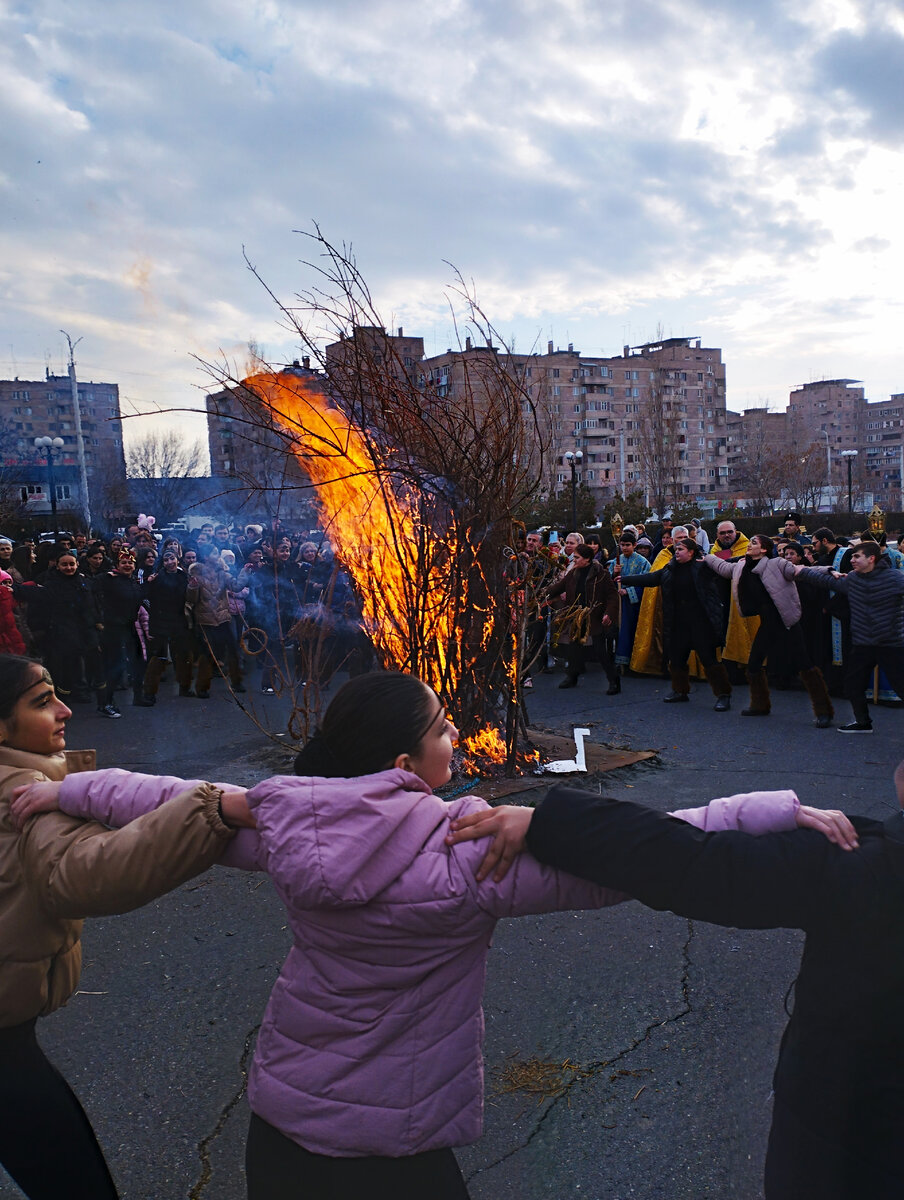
748,812
80,869
790,880
115,798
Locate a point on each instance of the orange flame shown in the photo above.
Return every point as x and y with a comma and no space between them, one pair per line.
487,744
405,594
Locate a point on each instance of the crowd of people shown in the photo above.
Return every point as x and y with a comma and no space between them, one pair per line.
828,610
113,614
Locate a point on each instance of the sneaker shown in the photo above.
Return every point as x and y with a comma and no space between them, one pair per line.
823,722
722,704
676,698
269,691
856,727
109,711
203,695
528,683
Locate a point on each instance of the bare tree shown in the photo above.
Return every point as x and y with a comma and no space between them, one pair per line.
760,472
10,499
161,467
660,444
802,470
417,484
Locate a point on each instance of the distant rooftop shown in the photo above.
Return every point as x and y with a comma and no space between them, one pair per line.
817,383
664,343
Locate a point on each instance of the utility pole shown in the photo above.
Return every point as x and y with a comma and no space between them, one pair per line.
79,439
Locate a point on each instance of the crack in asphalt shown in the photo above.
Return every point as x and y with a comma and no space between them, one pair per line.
594,1068
205,1144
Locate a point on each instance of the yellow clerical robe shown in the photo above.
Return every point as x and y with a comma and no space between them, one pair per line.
741,630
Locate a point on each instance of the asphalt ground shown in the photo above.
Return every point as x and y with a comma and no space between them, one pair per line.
646,1042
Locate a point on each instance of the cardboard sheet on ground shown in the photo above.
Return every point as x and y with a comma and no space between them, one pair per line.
555,746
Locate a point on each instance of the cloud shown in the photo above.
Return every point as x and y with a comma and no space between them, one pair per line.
586,164
868,68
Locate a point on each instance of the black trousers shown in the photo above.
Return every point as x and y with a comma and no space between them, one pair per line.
279,1169
692,632
859,665
46,1142
785,648
577,656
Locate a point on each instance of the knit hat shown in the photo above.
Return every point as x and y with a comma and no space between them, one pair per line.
645,541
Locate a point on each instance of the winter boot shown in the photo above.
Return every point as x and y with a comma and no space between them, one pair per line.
717,678
681,685
760,704
823,711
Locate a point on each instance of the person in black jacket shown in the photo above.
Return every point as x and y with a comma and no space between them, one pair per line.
120,597
72,641
875,593
169,634
838,1114
693,618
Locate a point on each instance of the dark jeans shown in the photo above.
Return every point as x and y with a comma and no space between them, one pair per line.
122,659
279,1169
858,668
46,1142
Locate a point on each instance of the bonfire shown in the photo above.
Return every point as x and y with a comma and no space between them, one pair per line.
417,490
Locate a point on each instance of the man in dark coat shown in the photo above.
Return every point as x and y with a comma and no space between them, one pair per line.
838,1117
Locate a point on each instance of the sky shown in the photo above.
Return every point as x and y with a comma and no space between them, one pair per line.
605,172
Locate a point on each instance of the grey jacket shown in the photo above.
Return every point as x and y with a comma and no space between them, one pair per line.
876,600
777,575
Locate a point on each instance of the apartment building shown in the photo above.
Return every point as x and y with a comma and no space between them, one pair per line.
882,447
32,409
248,463
601,406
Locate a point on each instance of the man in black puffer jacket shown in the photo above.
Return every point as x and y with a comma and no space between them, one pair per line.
875,592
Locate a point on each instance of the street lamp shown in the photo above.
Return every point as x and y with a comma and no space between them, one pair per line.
850,455
50,447
574,458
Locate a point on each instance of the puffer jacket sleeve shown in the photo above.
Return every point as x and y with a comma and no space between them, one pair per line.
748,812
89,871
529,887
116,797
720,566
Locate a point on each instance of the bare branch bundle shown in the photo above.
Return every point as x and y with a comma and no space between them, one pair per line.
417,482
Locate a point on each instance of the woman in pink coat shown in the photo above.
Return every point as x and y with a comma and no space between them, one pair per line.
368,1067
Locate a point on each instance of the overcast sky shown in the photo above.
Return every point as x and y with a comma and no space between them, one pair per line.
729,169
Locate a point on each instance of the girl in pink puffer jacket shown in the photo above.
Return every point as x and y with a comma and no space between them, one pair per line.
368,1067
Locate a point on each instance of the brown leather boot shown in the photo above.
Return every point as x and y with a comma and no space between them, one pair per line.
823,710
717,677
760,703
